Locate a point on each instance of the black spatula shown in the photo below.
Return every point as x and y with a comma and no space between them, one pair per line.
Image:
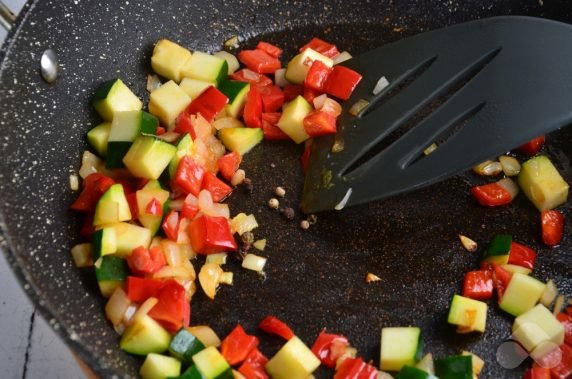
476,89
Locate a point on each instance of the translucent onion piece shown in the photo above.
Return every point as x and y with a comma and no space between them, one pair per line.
358,106
558,305
187,265
342,57
218,210
381,84
170,137
254,262
230,60
549,294
249,74
205,201
81,255
369,278
90,163
226,278
338,145
260,244
238,177
344,201
174,272
153,82
215,146
227,122
218,259
187,251
190,288
242,223
205,334
331,107
74,182
172,253
129,312
488,168
431,148
156,241
319,101
145,308
182,232
510,165
209,277
280,77
509,185
469,245
232,42
116,306
176,204
119,329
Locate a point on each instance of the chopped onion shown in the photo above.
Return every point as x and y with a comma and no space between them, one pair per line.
319,101
182,234
209,277
426,364
156,241
549,294
74,182
231,42
172,253
242,223
81,255
219,210
119,329
254,262
153,82
280,77
170,137
488,168
129,312
250,75
218,259
187,251
205,334
351,352
510,165
174,272
190,288
558,305
342,57
358,106
227,122
381,84
226,278
344,201
176,204
369,278
469,245
230,59
431,148
338,145
238,177
116,306
90,163
331,107
509,185
260,244
145,308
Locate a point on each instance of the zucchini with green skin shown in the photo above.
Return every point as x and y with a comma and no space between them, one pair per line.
103,242
236,92
144,196
114,96
292,120
145,336
98,136
542,183
454,367
298,67
157,366
168,58
294,360
112,207
240,140
499,249
125,128
184,345
400,346
167,102
521,294
537,326
190,373
468,314
408,372
211,364
110,272
205,67
194,87
184,147
129,237
148,157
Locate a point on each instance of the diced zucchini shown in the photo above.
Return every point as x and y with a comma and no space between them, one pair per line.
113,96
144,196
426,364
157,366
145,336
293,361
231,60
236,92
499,249
205,67
298,67
292,120
104,242
476,362
97,137
116,150
190,373
521,294
468,314
184,147
542,183
400,346
194,87
408,372
127,126
536,326
211,364
516,268
240,140
167,102
168,58
205,334
129,237
112,207
184,345
148,157
110,272
455,367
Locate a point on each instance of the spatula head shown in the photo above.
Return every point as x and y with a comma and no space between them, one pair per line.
476,90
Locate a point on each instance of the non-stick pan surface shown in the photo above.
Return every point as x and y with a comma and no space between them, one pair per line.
315,278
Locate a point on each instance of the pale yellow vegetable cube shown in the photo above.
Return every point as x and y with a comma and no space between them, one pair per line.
167,102
168,59
194,87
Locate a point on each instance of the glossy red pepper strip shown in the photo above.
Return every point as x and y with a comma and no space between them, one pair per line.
237,345
272,98
144,261
94,186
537,373
172,310
319,123
154,207
341,82
209,103
501,278
253,365
552,222
292,91
322,47
564,369
219,190
253,108
317,76
210,235
270,127
270,49
491,195
259,61
170,225
189,176
566,321
533,146
478,285
355,368
228,164
521,255
275,326
140,289
249,76
322,347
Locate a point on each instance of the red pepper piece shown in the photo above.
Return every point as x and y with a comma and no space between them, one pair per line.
253,108
568,310
318,123
129,186
140,289
219,190
228,164
305,157
566,321
87,228
171,225
160,130
94,186
317,76
341,82
209,103
537,373
172,310
272,98
322,347
154,207
189,175
491,195
521,255
292,91
184,125
253,365
210,235
322,47
478,285
189,211
132,202
355,368
259,61
273,325
501,278
237,345
552,223
142,261
533,146
254,78
564,369
270,49
310,94
270,127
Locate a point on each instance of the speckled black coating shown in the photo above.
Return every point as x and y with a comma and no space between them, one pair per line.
315,278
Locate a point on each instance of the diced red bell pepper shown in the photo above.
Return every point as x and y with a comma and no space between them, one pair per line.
154,207
564,369
210,235
273,325
501,278
341,82
189,176
272,98
143,261
355,368
270,127
478,285
568,310
87,228
532,147
292,91
270,49
318,123
228,164
552,222
249,76
305,157
219,190
537,373
491,195
566,321
310,94
209,103
170,225
322,47
253,365
172,310
94,186
140,289
132,202
189,211
317,76
160,130
259,61
129,186
237,345
253,108
184,125
322,347
521,255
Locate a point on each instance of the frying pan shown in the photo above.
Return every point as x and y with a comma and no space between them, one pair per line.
315,278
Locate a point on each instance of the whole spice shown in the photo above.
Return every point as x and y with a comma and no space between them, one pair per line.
273,203
287,213
312,219
247,185
304,224
279,191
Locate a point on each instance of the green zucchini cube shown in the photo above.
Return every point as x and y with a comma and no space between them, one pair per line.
110,272
114,96
521,294
454,367
98,136
236,91
400,346
104,242
542,183
157,366
168,58
129,237
241,140
211,364
194,87
184,345
112,207
145,336
205,67
536,326
148,157
468,314
292,120
298,67
167,102
293,361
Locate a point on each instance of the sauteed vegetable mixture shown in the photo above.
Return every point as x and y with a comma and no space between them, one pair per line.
154,205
